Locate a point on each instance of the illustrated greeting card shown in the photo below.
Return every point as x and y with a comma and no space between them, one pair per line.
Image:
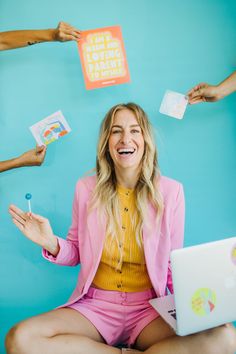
50,128
173,104
103,58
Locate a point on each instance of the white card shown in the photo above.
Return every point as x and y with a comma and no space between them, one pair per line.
173,104
50,128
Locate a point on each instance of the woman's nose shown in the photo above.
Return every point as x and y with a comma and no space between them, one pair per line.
125,138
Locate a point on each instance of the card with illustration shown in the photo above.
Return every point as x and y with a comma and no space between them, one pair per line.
103,57
50,128
173,104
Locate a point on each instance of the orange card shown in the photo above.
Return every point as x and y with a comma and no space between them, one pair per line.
103,58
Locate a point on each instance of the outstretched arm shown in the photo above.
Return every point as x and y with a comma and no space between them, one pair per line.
204,92
34,157
17,39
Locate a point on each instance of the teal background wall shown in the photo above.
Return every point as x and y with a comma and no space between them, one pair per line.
169,45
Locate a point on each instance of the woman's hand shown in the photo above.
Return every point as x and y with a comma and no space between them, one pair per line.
204,92
65,32
34,157
36,228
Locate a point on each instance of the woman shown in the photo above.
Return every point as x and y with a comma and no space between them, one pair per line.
126,220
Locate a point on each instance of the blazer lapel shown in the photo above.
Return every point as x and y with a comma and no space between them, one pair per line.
151,238
97,231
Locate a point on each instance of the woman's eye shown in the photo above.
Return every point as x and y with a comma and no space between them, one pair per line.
116,131
135,131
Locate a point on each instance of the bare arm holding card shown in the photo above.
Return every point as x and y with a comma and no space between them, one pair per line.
204,92
34,157
17,39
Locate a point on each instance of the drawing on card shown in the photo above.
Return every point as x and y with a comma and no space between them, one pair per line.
50,128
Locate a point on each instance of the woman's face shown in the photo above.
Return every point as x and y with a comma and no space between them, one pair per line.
126,142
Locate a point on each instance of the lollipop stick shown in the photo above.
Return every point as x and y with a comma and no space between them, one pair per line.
29,205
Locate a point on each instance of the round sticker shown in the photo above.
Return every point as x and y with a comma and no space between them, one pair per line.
203,301
233,254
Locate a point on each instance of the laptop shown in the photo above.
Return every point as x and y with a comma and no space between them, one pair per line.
204,280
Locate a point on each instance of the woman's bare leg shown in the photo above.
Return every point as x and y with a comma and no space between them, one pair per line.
62,331
159,338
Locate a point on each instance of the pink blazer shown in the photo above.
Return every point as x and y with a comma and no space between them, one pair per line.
84,242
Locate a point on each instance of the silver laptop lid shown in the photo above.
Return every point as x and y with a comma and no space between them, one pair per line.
204,279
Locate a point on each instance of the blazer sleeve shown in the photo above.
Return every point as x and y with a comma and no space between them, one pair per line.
69,248
177,230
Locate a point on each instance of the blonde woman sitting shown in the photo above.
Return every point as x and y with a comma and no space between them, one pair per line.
126,220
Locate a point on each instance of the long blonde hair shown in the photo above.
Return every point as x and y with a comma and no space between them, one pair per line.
146,190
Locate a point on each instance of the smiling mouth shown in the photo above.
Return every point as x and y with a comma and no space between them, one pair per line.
129,151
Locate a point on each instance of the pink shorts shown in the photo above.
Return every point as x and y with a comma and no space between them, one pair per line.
118,316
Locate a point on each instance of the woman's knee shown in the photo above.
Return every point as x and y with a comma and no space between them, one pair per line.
223,339
18,339
229,337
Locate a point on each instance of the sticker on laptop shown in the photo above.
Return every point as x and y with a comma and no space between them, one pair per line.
233,254
203,301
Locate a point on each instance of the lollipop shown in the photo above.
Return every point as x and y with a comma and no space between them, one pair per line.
28,196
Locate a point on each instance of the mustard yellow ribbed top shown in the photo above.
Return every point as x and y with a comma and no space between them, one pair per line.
122,266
